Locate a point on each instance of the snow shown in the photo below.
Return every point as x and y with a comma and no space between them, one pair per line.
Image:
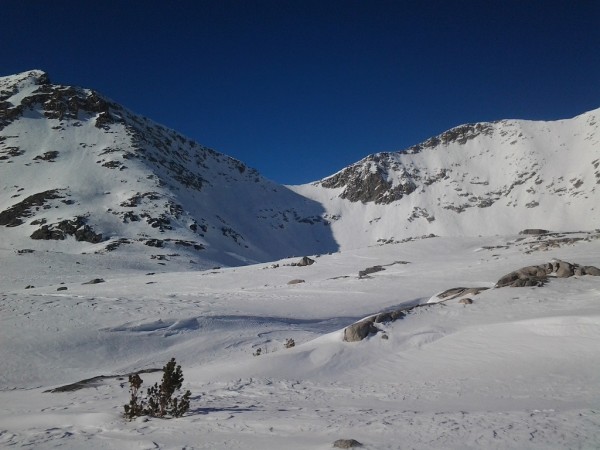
519,368
535,175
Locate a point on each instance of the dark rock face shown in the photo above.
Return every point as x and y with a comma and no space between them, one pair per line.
14,215
59,231
461,134
58,102
367,181
47,156
370,180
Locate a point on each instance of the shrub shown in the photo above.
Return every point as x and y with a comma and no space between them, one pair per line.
159,401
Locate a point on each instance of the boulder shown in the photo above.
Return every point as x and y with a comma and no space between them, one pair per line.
526,276
346,443
534,231
538,275
360,330
295,281
591,270
305,261
390,316
562,269
94,281
465,301
529,282
369,270
363,328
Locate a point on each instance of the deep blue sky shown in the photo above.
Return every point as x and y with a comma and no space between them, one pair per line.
300,89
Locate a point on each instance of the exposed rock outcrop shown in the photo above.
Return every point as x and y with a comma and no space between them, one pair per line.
453,293
534,231
526,276
374,269
363,328
303,262
369,180
538,275
13,216
75,227
346,443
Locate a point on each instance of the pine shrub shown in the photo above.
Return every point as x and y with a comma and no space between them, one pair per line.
159,401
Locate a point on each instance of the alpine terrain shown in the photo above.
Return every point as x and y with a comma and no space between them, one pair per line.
446,296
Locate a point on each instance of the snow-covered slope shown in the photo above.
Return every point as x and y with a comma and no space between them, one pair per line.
518,368
81,173
94,197
479,179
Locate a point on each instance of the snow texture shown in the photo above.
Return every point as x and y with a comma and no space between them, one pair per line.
517,368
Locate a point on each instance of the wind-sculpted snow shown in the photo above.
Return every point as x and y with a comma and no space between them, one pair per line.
124,244
515,368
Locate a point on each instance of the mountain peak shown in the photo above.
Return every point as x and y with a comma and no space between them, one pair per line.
31,77
82,173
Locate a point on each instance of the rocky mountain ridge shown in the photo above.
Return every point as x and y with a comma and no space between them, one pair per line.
475,179
79,167
81,173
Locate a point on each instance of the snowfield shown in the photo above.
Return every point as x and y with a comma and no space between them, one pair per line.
124,244
518,368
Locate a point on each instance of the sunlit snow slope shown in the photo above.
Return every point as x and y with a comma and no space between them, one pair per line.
81,173
105,215
477,179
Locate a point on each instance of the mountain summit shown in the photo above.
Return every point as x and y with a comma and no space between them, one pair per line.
475,179
80,173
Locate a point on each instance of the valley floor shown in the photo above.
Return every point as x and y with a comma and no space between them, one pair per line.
518,368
